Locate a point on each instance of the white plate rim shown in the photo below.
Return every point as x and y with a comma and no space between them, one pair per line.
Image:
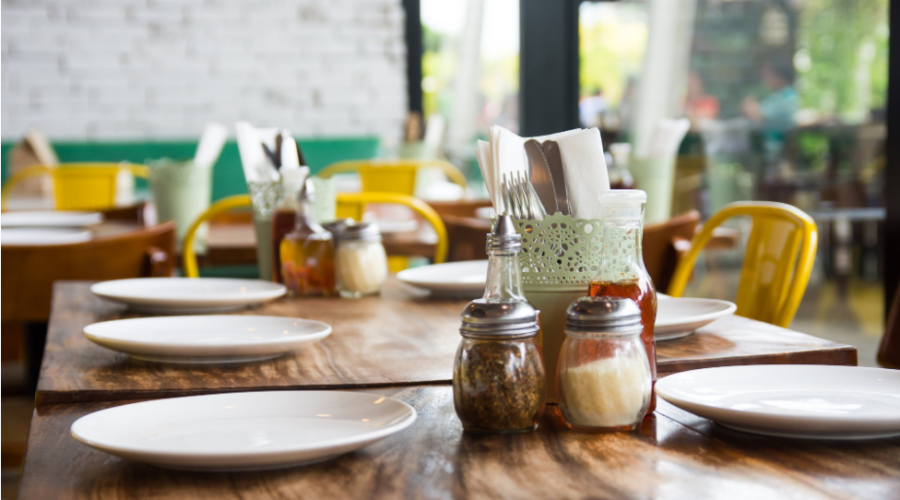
184,302
87,218
413,277
278,457
727,308
270,346
65,235
764,423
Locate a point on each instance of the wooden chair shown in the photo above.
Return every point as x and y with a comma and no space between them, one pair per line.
30,272
777,263
664,242
467,237
889,349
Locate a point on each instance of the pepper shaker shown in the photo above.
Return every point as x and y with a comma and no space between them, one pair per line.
498,376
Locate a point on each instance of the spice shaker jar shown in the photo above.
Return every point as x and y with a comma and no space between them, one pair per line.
604,375
360,262
498,376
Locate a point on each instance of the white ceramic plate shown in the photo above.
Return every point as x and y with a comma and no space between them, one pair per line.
50,218
389,226
27,236
801,401
206,339
244,431
679,317
455,278
188,295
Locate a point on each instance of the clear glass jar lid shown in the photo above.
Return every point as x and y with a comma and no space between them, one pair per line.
604,315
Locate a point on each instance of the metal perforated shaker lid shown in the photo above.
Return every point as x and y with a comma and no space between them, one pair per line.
498,320
603,314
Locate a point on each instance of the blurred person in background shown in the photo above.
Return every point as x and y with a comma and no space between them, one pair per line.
774,113
591,107
699,105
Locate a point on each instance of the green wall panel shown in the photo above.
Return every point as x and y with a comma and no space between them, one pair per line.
228,175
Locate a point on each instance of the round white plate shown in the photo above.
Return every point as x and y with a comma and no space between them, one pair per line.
389,226
801,401
679,317
485,212
50,218
188,295
27,236
244,431
206,339
455,278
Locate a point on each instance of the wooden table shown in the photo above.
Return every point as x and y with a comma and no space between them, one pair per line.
402,337
402,344
674,455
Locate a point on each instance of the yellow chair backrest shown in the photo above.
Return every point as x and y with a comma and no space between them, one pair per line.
778,259
79,186
392,176
348,205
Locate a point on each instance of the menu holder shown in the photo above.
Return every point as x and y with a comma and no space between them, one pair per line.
560,255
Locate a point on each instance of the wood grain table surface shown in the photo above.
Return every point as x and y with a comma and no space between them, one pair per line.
674,455
401,337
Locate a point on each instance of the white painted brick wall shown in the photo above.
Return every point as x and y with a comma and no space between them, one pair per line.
145,69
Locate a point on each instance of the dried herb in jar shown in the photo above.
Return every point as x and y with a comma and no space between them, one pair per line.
498,385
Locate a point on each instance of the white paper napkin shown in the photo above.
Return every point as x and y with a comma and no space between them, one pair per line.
667,136
584,166
586,173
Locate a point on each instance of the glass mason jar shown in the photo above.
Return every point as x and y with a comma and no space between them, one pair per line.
622,272
604,375
498,375
360,262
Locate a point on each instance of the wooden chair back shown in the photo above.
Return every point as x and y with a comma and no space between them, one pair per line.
467,237
30,271
661,246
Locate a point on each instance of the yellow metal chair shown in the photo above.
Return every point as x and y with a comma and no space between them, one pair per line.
348,205
79,186
392,176
777,263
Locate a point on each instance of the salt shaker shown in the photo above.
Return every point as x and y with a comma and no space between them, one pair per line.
604,375
360,262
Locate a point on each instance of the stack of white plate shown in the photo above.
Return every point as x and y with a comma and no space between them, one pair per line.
36,228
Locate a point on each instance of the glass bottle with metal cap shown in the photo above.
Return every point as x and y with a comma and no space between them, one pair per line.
307,252
604,374
498,376
360,262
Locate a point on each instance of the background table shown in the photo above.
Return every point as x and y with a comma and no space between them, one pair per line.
401,337
674,455
235,243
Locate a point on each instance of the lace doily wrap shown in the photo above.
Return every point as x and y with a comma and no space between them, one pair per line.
559,250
